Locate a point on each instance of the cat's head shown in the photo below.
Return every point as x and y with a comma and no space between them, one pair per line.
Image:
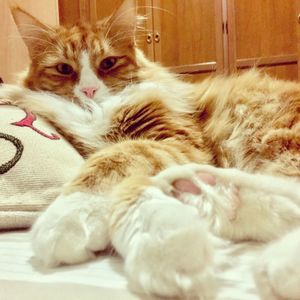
84,62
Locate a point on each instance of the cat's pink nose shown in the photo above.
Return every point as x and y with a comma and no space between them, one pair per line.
89,91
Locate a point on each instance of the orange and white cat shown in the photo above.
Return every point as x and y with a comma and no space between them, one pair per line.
174,171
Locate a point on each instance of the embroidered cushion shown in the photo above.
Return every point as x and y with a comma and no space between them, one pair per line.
34,164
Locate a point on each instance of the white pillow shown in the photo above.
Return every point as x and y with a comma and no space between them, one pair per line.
34,164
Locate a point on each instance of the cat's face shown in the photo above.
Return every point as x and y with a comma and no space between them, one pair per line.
84,62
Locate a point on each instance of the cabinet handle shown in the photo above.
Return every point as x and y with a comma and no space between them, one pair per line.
157,37
298,18
149,38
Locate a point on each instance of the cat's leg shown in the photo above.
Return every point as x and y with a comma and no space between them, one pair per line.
167,249
72,228
236,199
277,270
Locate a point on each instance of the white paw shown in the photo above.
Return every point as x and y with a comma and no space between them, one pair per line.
176,265
71,229
167,248
277,271
212,187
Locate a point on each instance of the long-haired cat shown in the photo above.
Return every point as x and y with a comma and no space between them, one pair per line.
133,119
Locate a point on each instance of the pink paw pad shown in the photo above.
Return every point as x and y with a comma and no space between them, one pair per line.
188,186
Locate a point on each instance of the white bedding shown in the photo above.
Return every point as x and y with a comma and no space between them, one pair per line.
22,279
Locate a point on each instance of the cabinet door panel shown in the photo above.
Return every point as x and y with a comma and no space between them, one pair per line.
270,25
263,33
189,34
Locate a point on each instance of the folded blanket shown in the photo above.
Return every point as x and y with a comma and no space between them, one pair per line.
34,164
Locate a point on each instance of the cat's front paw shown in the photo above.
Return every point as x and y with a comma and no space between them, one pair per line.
71,230
277,271
167,248
207,183
177,265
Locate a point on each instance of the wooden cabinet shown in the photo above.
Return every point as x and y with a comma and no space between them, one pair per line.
13,54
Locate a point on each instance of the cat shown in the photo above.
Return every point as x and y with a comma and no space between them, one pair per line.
146,135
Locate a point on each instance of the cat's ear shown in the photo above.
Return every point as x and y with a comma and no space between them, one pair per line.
33,32
121,25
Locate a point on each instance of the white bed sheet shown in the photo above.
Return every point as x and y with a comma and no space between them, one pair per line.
21,279
102,279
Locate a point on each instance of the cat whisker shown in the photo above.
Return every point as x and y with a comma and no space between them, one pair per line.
124,37
116,86
135,8
125,82
139,18
156,8
139,36
117,19
130,31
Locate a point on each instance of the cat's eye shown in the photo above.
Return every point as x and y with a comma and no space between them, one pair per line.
64,69
107,63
